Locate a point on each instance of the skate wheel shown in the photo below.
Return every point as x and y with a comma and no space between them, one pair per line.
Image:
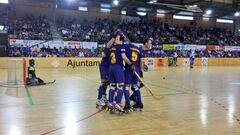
120,113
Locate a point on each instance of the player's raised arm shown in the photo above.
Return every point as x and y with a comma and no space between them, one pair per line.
110,42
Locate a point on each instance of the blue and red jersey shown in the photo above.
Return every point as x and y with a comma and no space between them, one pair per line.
115,55
134,54
105,59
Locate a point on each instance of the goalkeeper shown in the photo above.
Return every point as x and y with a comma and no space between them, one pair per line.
32,79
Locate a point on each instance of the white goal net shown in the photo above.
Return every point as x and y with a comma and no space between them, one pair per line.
16,71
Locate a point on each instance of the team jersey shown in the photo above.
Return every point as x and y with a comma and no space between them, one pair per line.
134,54
105,59
192,54
144,52
115,55
175,55
31,72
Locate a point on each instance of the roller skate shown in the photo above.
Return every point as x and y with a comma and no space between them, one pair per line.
133,100
111,108
104,98
119,109
100,104
138,107
127,108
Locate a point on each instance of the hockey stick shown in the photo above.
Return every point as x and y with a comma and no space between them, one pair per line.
148,89
45,83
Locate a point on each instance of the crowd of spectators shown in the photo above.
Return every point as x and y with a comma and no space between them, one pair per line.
158,52
30,28
100,30
80,52
51,52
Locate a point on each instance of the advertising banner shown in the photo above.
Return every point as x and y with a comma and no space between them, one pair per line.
186,62
204,61
52,44
232,48
168,46
31,43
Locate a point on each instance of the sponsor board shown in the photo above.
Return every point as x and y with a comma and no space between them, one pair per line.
150,63
204,61
186,62
52,44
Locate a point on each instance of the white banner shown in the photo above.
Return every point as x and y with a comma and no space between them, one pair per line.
189,47
150,63
56,44
186,62
232,48
200,47
204,61
52,44
19,43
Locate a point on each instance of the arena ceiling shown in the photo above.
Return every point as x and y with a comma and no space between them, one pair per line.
220,8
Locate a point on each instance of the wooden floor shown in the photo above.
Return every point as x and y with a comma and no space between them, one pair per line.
199,101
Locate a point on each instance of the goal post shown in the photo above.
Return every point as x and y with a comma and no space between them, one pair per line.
17,71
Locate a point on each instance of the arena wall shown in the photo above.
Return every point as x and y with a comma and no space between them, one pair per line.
153,63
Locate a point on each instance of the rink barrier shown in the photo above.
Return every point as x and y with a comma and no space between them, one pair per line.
152,63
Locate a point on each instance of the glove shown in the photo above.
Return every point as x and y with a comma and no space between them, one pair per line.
141,85
145,68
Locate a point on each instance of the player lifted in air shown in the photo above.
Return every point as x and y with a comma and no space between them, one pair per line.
116,73
104,69
32,79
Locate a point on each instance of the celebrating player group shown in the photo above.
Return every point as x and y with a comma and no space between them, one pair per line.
121,61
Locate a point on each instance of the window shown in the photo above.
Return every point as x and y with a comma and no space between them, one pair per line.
224,21
1,27
124,12
82,8
142,13
4,1
160,15
105,10
205,19
161,11
183,17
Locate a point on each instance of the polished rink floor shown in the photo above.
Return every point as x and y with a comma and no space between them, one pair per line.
199,101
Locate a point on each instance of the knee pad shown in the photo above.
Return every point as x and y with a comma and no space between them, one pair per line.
120,87
127,88
113,86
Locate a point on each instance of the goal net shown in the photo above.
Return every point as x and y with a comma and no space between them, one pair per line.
17,72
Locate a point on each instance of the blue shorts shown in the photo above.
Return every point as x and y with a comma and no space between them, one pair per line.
192,58
116,74
175,58
130,77
104,72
